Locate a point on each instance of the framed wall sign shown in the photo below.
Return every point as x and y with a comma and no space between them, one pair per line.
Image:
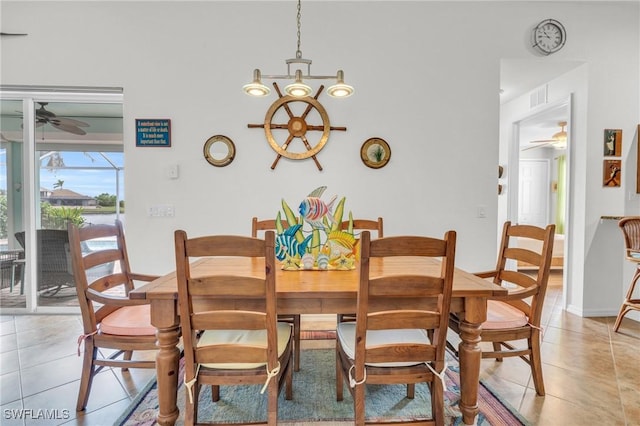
611,171
613,142
153,132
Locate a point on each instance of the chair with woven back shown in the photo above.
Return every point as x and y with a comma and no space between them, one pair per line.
630,227
54,266
356,226
110,319
399,335
229,322
260,226
517,316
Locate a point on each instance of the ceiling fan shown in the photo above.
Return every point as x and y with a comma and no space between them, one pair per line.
44,116
557,140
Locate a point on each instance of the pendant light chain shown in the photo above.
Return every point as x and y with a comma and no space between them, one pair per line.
298,51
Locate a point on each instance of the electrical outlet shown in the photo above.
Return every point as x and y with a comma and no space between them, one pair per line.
482,211
163,210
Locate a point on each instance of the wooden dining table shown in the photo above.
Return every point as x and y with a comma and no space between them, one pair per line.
316,292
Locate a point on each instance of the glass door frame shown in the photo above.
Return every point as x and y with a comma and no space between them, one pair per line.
30,95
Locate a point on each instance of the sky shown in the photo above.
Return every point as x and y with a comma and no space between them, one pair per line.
87,174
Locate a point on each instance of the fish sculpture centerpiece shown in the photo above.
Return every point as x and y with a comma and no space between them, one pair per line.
314,239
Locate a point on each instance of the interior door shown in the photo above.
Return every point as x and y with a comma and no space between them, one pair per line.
533,202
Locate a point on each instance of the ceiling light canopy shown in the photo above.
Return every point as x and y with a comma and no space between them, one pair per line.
298,88
561,136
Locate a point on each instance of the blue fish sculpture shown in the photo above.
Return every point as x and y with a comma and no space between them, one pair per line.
286,243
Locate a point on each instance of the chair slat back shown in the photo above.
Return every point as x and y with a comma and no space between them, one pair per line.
213,302
378,306
265,225
365,225
539,256
101,270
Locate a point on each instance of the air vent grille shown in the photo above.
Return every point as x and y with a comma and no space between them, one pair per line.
538,96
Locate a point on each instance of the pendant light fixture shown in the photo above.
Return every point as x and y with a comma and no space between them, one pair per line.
298,88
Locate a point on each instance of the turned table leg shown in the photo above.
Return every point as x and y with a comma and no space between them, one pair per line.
470,356
164,317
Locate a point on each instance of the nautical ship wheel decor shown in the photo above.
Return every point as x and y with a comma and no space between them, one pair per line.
297,118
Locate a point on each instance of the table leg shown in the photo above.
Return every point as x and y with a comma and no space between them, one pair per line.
470,356
168,358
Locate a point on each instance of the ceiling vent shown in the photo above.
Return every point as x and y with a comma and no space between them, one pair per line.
538,96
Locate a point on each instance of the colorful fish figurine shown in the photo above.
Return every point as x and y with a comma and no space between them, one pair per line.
313,209
340,243
286,243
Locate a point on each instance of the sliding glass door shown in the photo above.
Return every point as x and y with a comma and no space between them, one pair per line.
70,171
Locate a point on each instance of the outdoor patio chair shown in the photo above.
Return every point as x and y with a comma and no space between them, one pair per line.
54,262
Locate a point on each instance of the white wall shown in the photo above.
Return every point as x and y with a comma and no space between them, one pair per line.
596,280
186,61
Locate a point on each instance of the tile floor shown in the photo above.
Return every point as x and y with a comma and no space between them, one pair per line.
592,375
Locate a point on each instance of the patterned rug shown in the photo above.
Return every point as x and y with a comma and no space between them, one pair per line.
314,400
317,335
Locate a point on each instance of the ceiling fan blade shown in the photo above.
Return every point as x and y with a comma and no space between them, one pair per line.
543,141
13,34
69,122
537,144
69,128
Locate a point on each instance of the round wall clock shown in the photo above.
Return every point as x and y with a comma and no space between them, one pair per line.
219,151
549,36
375,153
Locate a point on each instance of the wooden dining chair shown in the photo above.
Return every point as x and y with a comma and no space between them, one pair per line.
518,315
293,319
365,225
630,227
110,319
391,342
359,225
229,323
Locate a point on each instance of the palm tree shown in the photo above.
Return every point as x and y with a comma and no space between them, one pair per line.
58,184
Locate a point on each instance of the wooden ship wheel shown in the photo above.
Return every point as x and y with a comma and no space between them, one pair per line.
296,127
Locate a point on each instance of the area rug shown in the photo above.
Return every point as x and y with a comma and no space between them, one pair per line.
317,334
314,400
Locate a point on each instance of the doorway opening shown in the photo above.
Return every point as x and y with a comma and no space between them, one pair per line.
542,145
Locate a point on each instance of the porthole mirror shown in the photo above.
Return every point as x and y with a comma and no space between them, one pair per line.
219,151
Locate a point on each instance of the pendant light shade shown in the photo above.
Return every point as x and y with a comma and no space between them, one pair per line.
298,88
340,90
256,88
